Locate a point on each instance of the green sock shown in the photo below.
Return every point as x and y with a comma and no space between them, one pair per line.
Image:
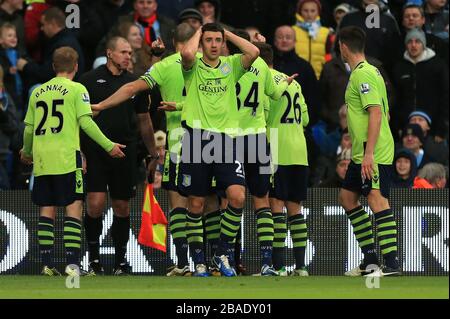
387,237
265,230
194,234
72,240
280,233
299,234
46,240
177,227
362,228
212,229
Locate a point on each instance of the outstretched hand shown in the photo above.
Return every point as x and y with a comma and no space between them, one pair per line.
291,78
116,151
168,106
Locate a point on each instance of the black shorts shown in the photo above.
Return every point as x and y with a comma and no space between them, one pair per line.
206,155
290,183
58,190
169,179
381,180
116,175
257,165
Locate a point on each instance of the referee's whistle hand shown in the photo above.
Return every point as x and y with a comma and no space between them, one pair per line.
116,152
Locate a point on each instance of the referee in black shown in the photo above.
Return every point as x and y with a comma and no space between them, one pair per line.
118,176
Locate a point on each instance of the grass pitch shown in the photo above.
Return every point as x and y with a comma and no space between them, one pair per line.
35,287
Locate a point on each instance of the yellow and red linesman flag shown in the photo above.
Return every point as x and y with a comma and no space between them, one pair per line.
153,231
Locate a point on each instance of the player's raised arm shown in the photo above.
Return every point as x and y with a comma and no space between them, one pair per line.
188,53
124,93
249,51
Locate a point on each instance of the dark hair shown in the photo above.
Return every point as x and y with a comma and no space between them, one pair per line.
265,52
56,15
413,6
240,33
354,38
183,33
213,27
64,60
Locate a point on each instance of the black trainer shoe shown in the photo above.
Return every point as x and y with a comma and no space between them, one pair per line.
388,271
122,270
96,268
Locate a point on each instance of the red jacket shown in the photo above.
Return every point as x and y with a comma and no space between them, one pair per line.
33,29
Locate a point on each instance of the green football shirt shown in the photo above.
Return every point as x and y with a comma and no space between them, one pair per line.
251,90
211,94
167,75
53,112
366,88
286,119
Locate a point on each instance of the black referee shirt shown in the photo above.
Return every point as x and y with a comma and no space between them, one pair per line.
119,123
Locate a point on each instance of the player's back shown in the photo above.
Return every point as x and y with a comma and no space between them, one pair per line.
54,109
251,89
288,116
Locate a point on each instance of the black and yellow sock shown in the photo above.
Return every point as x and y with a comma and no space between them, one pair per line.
299,234
93,227
212,230
177,227
120,232
265,230
362,228
72,240
387,237
229,227
46,240
194,234
279,240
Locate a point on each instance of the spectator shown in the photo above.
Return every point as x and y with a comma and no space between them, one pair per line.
342,161
154,25
434,146
436,18
34,39
142,58
288,62
339,12
89,21
313,42
405,169
432,175
192,17
53,22
382,42
414,17
9,54
11,129
211,12
413,139
421,80
10,12
109,12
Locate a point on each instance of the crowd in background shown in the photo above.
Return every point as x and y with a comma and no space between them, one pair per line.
410,47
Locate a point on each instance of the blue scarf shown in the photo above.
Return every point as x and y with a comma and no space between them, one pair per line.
311,27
